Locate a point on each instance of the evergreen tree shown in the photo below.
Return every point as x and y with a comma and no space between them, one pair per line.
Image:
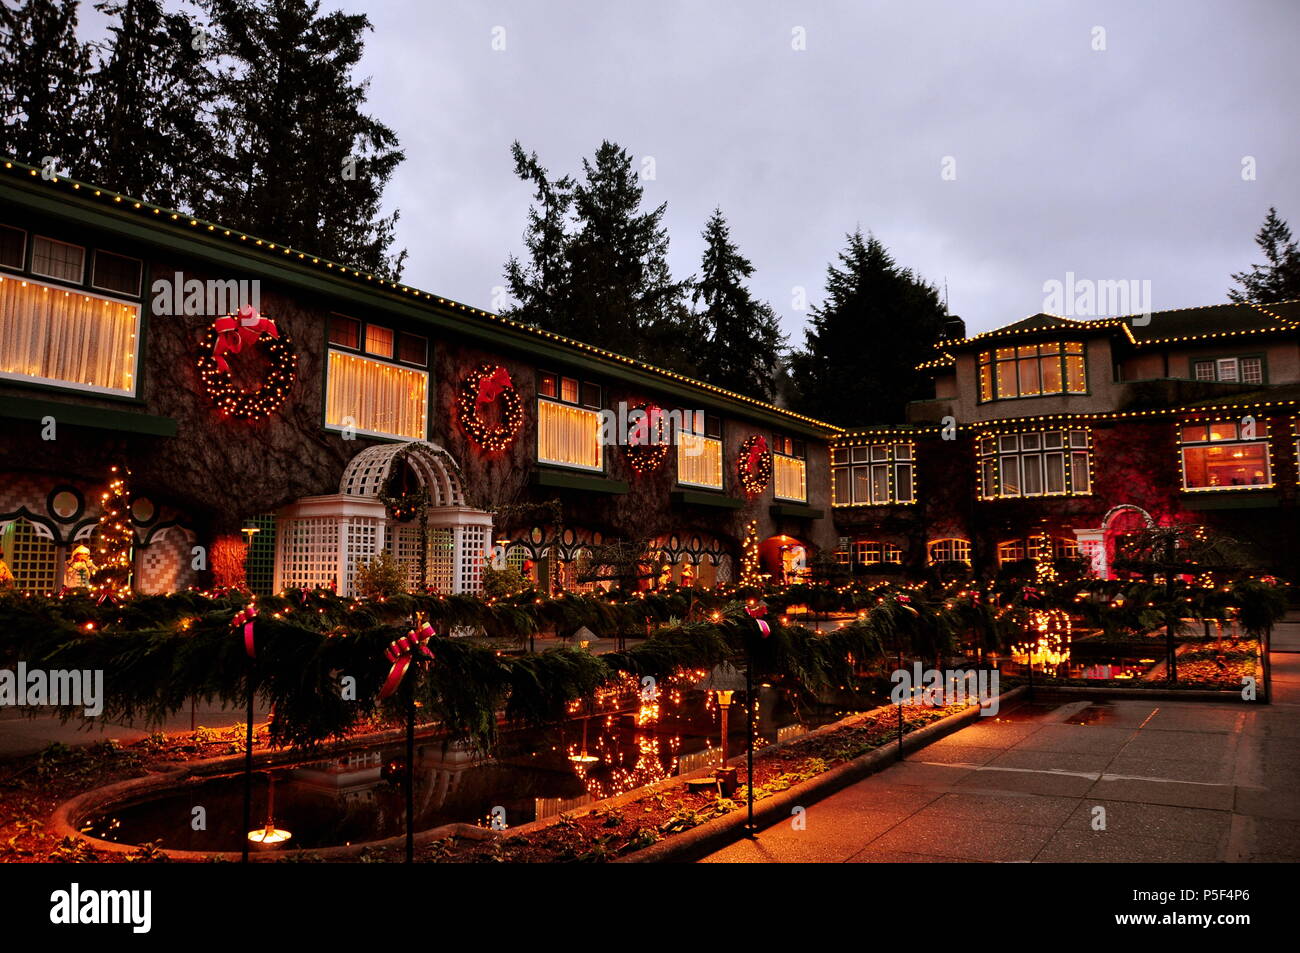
862,344
742,342
306,165
598,265
43,84
1279,280
151,136
114,538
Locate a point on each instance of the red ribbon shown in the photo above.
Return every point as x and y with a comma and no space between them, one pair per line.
235,331
491,386
245,618
756,613
400,653
755,452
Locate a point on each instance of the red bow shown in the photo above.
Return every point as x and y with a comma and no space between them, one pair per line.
245,618
755,452
400,653
234,331
756,613
491,386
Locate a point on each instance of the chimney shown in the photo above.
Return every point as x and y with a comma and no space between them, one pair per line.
954,329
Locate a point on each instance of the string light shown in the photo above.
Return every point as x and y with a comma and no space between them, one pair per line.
268,397
754,479
646,456
491,437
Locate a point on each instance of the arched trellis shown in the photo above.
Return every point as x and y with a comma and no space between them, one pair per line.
324,540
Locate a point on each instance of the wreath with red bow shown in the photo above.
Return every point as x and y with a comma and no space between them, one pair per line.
646,448
754,465
490,384
231,335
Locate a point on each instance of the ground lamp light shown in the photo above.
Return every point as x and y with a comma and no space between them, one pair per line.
726,776
583,757
269,835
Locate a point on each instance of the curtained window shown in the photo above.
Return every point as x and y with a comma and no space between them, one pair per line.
376,397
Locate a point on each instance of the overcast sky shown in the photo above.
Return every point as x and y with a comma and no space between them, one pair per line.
1122,163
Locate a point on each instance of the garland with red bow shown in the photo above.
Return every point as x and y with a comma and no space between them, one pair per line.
646,448
490,384
754,465
244,617
401,652
757,613
233,334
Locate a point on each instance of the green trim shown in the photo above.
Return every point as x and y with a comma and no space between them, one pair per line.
795,511
79,415
1231,500
574,481
701,498
449,317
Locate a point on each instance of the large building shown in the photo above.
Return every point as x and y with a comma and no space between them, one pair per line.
298,441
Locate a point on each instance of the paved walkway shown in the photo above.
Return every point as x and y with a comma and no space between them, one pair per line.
1178,782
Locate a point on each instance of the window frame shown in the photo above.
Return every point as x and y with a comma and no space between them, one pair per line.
989,360
1261,438
863,456
377,434
21,267
80,282
991,457
1213,361
139,284
558,398
931,560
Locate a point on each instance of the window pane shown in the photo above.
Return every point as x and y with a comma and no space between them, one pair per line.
569,390
1009,476
1028,376
1029,441
591,397
1007,379
379,340
880,483
1051,368
1194,432
376,397
547,385
1078,438
1076,381
1054,464
861,484
570,436
13,246
860,454
839,455
1032,467
1073,347
58,259
1227,368
345,332
1223,430
1080,481
989,480
1053,439
903,484
1240,465
62,336
986,382
840,486
1204,370
413,349
879,452
788,478
902,451
1252,370
1008,443
116,273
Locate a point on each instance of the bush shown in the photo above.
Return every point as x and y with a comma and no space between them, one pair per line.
499,583
382,577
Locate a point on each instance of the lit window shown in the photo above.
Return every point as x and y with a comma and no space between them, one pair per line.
379,341
699,460
375,397
53,335
54,259
1036,463
1015,550
872,474
949,550
568,435
1032,370
871,553
1218,456
789,470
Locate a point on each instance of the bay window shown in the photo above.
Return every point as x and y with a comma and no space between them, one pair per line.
699,450
1033,370
65,337
1224,455
1034,463
872,474
569,423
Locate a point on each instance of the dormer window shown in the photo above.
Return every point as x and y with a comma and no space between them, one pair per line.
1033,370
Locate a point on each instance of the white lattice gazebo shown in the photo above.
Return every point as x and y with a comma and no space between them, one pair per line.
323,540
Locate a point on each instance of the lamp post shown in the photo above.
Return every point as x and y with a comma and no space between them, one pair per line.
726,775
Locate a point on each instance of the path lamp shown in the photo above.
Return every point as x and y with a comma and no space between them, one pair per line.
726,775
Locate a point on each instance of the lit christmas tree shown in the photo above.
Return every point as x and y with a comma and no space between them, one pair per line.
749,565
114,539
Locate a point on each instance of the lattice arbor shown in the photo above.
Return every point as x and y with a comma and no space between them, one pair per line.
404,498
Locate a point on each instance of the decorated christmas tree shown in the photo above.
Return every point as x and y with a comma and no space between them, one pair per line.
114,539
749,564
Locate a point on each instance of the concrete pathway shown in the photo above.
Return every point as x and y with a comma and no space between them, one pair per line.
1170,782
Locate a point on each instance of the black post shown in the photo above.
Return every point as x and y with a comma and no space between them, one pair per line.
248,768
410,771
749,755
1029,664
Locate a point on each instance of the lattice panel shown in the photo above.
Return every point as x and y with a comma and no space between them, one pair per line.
32,558
309,552
473,543
360,545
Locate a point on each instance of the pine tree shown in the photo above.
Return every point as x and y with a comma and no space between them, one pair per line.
114,538
306,164
742,341
598,264
43,84
151,134
1279,280
862,344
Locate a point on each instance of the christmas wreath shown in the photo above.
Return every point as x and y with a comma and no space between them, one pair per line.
490,385
646,448
232,334
754,465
